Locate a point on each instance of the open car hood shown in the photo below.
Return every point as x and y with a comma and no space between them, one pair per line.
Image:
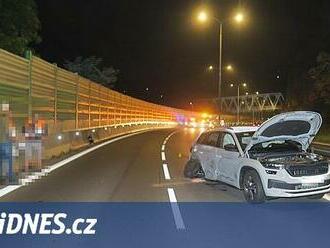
299,126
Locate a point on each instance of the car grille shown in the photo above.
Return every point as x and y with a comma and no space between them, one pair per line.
308,170
296,186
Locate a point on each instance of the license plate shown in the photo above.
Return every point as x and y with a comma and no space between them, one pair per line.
307,186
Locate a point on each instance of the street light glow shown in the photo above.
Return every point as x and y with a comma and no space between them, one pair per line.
257,93
244,85
231,85
202,16
229,67
239,17
210,68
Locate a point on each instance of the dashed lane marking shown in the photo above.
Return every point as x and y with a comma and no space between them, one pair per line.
171,193
166,172
175,210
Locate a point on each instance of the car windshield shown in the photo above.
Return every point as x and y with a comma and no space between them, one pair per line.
275,146
244,138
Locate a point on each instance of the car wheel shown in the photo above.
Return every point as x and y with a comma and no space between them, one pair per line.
316,197
193,169
252,187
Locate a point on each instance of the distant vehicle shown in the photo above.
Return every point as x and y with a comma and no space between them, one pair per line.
269,161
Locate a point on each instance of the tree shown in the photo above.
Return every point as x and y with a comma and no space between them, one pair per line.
19,25
91,68
320,74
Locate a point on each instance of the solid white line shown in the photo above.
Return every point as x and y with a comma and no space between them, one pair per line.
175,210
163,156
163,147
166,172
8,189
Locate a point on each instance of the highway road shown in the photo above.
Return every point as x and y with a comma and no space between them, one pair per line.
145,167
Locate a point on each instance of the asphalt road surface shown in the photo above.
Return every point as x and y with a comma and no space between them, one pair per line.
130,170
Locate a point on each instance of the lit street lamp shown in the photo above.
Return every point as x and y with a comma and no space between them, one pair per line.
239,17
238,98
203,17
192,105
229,68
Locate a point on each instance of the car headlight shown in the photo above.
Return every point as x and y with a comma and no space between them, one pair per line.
273,166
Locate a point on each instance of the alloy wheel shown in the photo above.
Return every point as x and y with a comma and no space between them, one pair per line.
250,188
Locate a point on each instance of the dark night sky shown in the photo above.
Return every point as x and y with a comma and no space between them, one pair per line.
157,44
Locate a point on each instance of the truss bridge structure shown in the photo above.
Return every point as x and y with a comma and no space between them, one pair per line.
251,103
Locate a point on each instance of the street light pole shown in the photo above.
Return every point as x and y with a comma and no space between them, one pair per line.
220,59
238,100
238,104
202,17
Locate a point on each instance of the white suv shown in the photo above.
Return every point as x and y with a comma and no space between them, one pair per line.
266,162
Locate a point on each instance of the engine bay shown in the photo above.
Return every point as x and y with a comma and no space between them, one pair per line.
302,158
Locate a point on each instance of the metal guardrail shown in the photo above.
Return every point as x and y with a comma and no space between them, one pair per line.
34,87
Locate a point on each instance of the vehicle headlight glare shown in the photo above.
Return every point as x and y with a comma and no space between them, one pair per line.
273,166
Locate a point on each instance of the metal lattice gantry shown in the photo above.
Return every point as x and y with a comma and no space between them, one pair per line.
251,103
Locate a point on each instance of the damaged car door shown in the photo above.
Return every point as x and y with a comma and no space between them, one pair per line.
228,164
210,155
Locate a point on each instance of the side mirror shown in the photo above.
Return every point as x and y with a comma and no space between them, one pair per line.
231,148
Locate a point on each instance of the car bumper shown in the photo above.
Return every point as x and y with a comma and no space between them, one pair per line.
284,185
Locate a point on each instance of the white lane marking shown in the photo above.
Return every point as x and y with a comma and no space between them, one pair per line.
8,189
31,178
175,210
163,156
326,197
171,195
166,172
